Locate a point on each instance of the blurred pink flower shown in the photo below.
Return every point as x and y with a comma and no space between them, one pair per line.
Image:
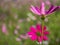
17,26
18,39
15,31
24,36
36,33
4,29
15,16
20,20
47,2
41,10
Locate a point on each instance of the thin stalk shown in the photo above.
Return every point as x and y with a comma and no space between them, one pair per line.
42,30
39,43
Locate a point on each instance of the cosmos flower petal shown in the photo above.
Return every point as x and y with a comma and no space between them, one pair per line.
33,37
32,29
38,27
46,32
59,6
45,38
40,39
42,8
30,33
54,9
38,9
34,10
45,27
50,9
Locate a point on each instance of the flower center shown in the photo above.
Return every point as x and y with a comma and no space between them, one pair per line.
42,17
38,34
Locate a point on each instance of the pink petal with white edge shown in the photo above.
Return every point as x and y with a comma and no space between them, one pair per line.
42,8
52,9
34,10
38,9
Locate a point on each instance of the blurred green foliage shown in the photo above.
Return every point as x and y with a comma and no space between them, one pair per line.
53,25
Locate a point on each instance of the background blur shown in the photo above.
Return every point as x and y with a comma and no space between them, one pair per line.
16,18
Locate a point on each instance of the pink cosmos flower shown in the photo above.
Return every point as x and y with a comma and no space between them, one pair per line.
15,31
47,2
18,39
36,33
4,29
41,10
24,36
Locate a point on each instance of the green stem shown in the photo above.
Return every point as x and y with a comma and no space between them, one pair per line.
39,43
42,30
